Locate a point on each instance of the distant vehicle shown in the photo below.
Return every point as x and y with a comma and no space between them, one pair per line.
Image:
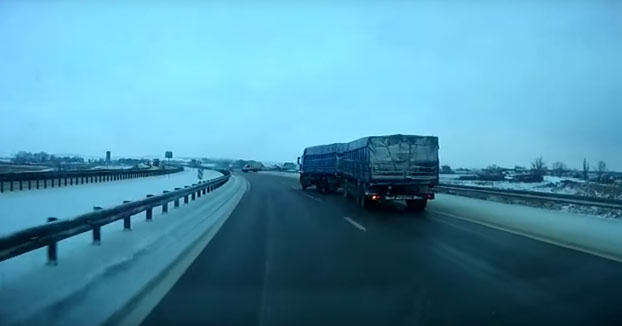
375,169
252,167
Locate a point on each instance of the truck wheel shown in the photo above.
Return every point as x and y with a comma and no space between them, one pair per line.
322,185
416,205
362,201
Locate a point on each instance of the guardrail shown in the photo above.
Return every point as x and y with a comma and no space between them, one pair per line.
29,180
562,198
56,230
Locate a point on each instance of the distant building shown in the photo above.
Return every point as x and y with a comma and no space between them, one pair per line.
107,156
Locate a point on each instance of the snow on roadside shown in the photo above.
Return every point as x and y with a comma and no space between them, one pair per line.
90,283
26,209
584,232
282,174
551,184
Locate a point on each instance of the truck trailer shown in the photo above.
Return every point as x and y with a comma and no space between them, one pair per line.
318,167
376,169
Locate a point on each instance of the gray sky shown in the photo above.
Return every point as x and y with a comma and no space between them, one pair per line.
497,82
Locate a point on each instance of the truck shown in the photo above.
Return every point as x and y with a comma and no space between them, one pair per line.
318,167
252,167
376,169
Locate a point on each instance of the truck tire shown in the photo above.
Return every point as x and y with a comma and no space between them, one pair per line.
321,187
416,205
362,199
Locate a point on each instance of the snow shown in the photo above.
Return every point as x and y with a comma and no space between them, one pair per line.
544,186
112,167
91,283
282,174
584,232
23,209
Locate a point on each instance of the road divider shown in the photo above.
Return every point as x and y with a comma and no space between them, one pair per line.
56,230
533,195
42,180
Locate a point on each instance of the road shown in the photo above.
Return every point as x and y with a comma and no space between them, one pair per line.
293,257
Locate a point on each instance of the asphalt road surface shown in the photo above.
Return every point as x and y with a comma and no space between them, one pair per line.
293,257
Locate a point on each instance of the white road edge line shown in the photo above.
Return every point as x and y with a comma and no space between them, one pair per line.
356,225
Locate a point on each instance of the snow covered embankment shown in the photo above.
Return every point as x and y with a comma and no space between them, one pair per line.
295,175
92,283
599,236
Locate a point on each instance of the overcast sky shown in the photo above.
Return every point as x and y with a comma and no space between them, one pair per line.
497,82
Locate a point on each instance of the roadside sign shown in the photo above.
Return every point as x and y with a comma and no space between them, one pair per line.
200,174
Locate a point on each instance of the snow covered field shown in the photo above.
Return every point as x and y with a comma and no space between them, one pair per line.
550,184
26,209
91,283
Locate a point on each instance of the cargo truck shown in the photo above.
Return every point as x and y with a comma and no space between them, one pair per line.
318,167
376,169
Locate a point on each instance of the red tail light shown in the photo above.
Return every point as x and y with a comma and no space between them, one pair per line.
375,197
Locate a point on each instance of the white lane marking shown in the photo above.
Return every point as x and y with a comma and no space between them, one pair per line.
312,197
356,225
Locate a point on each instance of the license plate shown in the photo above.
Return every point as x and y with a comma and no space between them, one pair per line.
401,197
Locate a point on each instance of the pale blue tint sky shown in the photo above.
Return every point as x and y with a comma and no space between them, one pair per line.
497,82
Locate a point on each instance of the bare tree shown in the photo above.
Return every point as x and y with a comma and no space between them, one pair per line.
586,169
538,167
559,168
602,167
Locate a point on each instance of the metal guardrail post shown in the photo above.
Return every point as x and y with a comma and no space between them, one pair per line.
52,248
29,185
20,185
11,186
165,205
1,186
149,211
97,230
127,220
185,196
37,183
176,203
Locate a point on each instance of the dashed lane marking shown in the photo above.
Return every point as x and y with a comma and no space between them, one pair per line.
356,224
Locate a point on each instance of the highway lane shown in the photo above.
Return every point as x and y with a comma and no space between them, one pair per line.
293,257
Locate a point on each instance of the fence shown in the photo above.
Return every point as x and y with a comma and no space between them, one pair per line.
36,180
56,230
563,198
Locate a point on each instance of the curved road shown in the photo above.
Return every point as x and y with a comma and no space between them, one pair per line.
292,257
